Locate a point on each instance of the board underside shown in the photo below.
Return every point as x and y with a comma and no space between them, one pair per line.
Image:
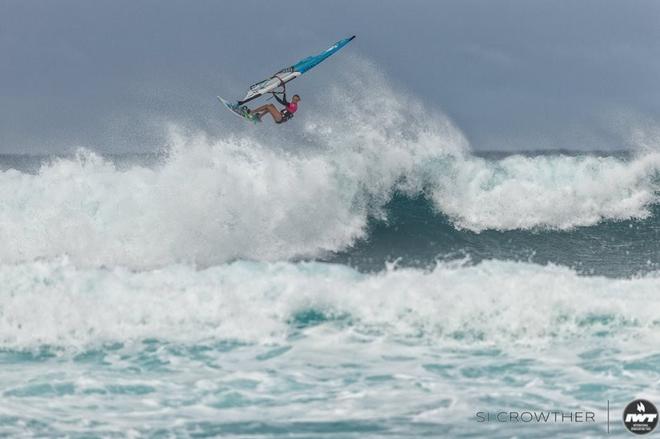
240,111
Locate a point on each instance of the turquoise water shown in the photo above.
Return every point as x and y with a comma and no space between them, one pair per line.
318,350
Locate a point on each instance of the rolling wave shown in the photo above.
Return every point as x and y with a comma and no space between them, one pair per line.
56,303
413,234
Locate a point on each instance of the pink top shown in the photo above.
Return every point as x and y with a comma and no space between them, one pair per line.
292,107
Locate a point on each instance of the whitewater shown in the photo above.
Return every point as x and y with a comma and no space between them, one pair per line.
363,275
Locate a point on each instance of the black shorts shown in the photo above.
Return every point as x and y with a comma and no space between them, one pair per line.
285,116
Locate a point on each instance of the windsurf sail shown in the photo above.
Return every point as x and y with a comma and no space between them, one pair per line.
287,74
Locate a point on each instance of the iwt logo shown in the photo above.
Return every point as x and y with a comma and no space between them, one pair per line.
640,416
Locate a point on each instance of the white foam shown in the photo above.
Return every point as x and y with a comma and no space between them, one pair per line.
501,303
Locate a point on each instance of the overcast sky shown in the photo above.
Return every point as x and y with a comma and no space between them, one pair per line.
511,74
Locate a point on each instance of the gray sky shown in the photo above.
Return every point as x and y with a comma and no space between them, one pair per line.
511,74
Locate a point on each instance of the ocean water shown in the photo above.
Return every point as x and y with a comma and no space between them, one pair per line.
363,276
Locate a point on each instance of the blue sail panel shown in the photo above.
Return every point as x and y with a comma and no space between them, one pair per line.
312,61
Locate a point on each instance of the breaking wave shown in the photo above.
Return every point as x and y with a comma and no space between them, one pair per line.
213,200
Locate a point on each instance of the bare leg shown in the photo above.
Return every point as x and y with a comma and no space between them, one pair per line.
261,110
268,108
